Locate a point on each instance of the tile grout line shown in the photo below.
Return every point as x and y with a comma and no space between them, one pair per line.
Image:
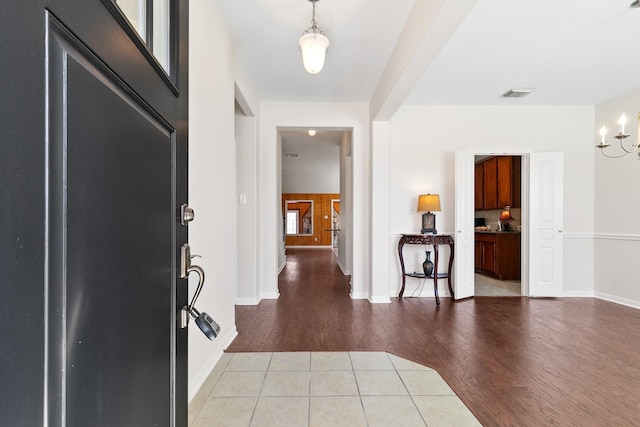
408,391
353,371
309,392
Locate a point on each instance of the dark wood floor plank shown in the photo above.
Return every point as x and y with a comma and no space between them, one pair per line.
513,361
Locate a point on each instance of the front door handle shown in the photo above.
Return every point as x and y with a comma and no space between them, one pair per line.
207,325
185,263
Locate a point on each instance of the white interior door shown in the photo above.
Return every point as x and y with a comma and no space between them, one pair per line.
546,218
463,283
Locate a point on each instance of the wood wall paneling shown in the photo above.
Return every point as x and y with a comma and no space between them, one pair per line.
321,209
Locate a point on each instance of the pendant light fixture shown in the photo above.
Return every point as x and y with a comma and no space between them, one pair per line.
313,44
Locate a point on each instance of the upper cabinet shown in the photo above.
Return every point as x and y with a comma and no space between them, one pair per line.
479,182
498,183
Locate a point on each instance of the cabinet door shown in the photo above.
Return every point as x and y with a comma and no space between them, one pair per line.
491,183
489,256
504,187
479,187
478,255
516,179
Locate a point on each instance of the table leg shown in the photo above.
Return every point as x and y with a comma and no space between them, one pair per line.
450,272
400,245
435,273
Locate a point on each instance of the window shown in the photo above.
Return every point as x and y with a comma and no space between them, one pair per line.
292,222
152,21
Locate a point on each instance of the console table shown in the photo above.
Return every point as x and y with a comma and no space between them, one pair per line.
435,241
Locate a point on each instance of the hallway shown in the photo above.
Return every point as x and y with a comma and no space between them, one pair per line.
512,361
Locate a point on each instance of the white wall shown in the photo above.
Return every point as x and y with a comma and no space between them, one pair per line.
247,229
212,190
343,116
282,260
345,241
380,209
617,206
327,182
422,151
316,169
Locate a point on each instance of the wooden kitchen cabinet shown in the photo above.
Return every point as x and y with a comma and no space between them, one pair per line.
497,254
490,190
479,186
504,182
498,183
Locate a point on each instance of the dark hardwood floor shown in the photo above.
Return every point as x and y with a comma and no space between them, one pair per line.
513,361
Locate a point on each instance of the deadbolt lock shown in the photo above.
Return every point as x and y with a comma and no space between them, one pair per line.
186,214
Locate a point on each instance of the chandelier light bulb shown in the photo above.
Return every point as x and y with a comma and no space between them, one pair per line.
314,47
622,121
313,44
603,132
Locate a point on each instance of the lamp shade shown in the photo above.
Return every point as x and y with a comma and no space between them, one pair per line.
313,46
505,215
429,203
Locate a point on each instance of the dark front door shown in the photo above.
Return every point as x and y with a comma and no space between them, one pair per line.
93,169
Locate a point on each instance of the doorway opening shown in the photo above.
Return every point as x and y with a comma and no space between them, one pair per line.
498,216
335,225
315,166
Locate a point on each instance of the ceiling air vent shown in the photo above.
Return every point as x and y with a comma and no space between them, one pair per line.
517,93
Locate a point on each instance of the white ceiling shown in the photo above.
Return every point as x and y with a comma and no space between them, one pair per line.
313,154
362,34
573,52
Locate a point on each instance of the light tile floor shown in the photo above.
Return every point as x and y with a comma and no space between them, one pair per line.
325,389
486,286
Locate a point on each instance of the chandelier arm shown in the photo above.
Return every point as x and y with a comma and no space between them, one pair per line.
613,156
631,149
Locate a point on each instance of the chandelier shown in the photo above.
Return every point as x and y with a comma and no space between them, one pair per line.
313,44
621,136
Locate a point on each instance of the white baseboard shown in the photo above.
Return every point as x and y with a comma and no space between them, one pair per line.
247,301
380,300
283,265
359,295
270,295
618,300
343,269
578,294
201,377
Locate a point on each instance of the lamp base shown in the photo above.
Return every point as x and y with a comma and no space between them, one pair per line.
428,223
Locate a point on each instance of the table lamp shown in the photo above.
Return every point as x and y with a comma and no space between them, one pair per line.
505,216
429,203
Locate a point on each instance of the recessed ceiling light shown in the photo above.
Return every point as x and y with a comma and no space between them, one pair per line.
517,93
312,132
